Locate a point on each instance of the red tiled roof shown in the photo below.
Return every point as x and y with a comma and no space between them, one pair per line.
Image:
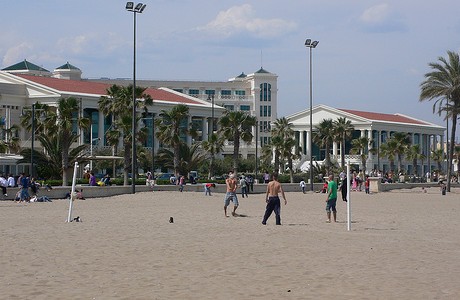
384,117
89,87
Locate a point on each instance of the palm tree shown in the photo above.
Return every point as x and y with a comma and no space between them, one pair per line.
289,155
361,146
343,130
438,156
402,142
213,146
12,142
171,132
387,150
282,134
413,153
277,143
236,126
457,158
323,136
49,162
191,158
59,124
443,84
119,103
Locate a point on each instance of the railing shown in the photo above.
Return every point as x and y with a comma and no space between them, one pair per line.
221,98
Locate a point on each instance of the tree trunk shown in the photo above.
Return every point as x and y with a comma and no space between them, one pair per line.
236,154
451,150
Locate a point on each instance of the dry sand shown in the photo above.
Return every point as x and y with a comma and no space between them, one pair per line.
403,245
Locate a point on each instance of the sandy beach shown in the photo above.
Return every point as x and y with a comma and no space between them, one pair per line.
403,245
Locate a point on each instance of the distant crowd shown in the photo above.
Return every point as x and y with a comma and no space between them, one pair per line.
24,187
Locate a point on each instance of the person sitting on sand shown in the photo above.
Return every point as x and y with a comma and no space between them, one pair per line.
231,194
273,200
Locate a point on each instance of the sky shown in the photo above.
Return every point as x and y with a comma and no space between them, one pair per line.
371,56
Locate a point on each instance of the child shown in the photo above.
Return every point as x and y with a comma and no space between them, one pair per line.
302,185
366,184
443,188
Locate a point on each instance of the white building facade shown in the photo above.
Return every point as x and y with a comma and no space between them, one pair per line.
25,84
377,127
255,93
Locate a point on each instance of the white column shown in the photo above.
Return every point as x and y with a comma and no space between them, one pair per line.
189,137
301,142
204,129
369,136
100,127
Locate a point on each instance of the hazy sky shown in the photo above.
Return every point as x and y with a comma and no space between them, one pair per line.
372,55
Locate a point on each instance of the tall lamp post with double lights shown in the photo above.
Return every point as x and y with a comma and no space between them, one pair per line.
311,45
32,146
138,9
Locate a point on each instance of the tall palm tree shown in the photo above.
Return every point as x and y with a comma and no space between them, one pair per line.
443,83
361,146
323,136
119,104
170,130
236,126
413,153
343,130
402,142
213,146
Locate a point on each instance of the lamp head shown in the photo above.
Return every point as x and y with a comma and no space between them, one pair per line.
130,6
314,44
308,42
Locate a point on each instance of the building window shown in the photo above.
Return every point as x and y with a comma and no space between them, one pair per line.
245,107
240,93
210,92
265,92
226,92
194,93
179,90
269,111
229,107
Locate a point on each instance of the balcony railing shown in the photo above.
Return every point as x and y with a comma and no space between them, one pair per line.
221,98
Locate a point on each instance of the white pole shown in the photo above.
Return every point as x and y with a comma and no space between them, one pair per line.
348,198
72,193
91,148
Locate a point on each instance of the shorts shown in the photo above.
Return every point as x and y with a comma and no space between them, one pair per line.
330,205
230,196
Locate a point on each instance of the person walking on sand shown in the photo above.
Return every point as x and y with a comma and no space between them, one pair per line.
231,194
302,185
331,199
273,200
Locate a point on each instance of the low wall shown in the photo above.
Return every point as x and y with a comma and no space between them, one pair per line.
108,191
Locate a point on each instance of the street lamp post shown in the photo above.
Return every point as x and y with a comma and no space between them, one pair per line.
311,45
32,143
153,144
257,143
139,8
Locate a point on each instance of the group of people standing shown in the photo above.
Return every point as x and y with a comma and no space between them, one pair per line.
23,182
